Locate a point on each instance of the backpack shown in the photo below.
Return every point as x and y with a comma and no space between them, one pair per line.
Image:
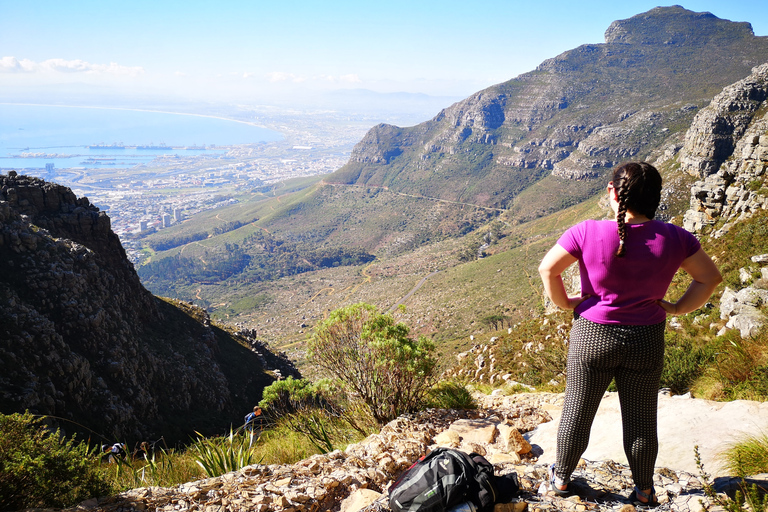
442,479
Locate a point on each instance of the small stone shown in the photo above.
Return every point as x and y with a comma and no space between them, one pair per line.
359,499
448,439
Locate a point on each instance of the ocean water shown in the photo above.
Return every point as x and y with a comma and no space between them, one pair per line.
62,135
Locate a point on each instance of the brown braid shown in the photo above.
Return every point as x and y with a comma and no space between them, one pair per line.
638,189
621,194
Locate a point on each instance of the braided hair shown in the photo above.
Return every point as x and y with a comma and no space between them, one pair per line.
638,188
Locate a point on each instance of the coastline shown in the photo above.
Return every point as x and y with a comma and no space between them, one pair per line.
143,110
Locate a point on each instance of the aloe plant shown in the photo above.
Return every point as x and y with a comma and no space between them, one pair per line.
220,455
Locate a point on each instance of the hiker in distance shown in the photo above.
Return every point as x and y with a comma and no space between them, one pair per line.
626,266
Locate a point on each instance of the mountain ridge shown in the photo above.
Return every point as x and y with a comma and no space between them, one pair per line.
574,116
82,341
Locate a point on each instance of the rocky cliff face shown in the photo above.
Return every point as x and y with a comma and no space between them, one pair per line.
573,118
82,340
727,146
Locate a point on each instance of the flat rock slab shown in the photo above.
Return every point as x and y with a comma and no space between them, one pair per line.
683,423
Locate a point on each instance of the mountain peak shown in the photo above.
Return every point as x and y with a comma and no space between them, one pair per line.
675,25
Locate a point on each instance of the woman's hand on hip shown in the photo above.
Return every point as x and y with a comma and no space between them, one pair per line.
573,302
669,307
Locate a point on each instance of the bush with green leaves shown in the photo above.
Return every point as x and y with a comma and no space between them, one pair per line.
289,395
747,456
319,410
40,468
450,395
376,359
219,455
684,362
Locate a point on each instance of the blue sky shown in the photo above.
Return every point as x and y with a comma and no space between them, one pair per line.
230,50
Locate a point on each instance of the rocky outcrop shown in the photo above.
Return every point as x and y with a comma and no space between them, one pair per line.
732,162
717,130
742,308
357,478
727,146
81,340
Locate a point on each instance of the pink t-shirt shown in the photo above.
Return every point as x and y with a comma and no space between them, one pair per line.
624,290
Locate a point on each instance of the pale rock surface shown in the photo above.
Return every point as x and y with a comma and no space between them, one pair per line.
359,499
475,431
683,424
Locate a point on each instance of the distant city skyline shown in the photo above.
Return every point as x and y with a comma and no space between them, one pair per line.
260,51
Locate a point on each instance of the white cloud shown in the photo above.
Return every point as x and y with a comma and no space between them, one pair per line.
279,76
11,64
351,78
248,75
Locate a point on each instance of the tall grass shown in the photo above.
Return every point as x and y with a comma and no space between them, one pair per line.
748,456
165,468
738,370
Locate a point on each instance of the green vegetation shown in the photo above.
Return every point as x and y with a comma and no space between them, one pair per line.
747,456
747,498
450,395
376,359
320,411
259,257
165,468
39,468
221,455
684,362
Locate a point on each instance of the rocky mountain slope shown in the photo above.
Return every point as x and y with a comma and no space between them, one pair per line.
572,118
83,341
726,147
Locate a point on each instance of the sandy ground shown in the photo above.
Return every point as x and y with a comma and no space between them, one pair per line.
684,422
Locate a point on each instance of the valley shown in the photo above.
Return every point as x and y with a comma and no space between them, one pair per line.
470,199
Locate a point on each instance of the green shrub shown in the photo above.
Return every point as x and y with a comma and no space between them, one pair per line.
749,456
221,455
320,411
39,468
289,395
165,468
684,362
739,368
375,359
450,395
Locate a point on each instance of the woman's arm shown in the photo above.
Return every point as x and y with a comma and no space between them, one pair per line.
550,270
705,276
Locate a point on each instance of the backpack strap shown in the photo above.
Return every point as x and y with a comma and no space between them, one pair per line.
485,492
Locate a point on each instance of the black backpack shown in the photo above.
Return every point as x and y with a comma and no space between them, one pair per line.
442,479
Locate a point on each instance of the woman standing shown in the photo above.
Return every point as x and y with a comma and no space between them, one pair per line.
626,266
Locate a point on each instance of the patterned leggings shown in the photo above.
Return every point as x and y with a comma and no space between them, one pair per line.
597,353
